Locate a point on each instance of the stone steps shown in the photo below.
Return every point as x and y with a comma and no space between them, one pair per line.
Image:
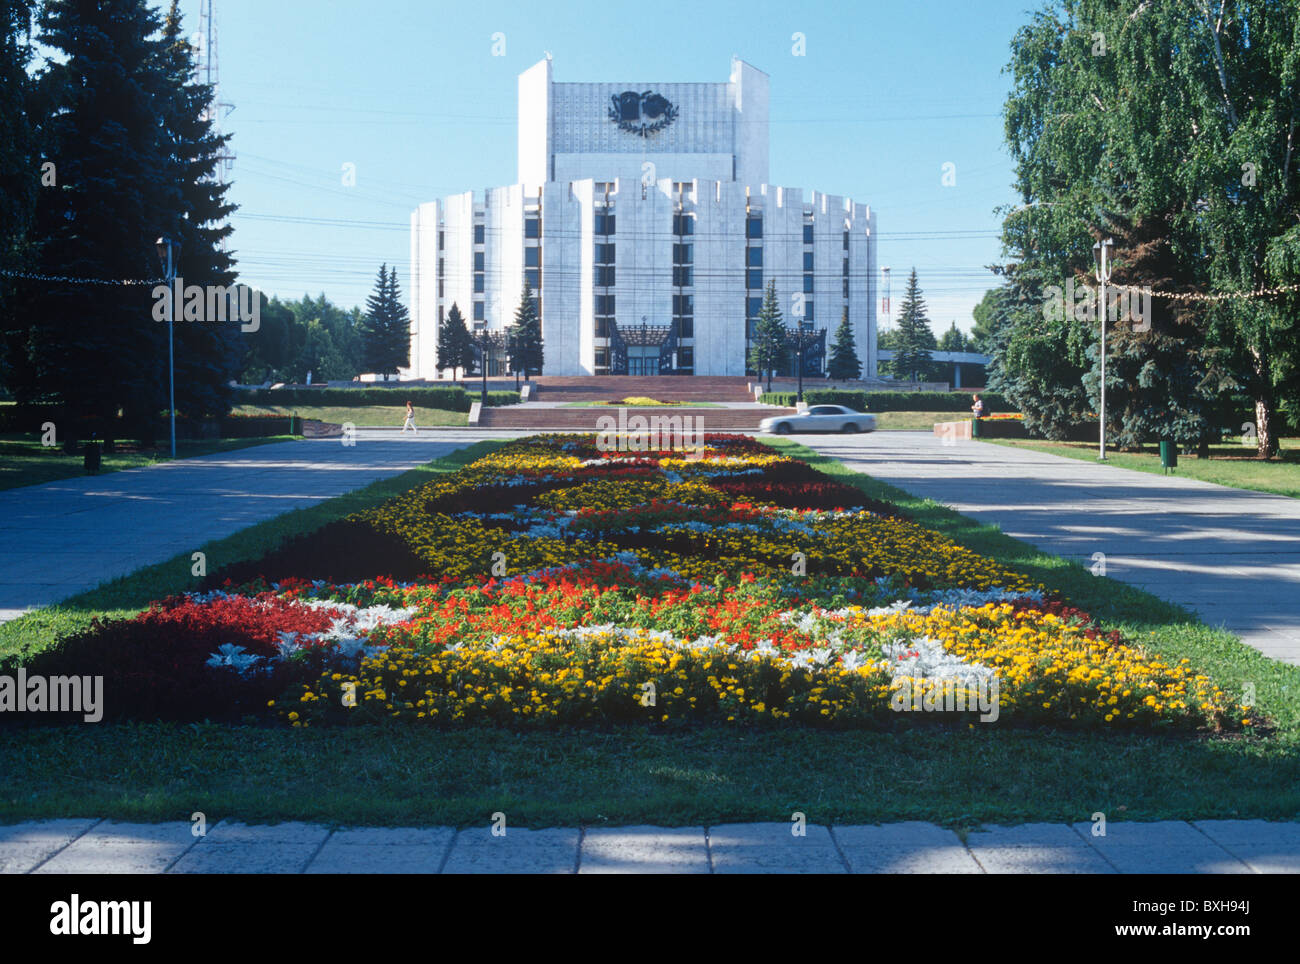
587,419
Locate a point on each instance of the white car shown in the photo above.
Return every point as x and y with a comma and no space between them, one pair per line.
820,418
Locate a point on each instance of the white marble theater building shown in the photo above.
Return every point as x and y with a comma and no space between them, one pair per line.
644,222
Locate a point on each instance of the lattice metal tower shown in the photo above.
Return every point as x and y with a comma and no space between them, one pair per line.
207,71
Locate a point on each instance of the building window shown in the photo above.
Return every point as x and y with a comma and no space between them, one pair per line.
605,275
532,227
440,314
683,253
478,260
807,312
604,187
846,267
478,311
846,287
534,278
686,358
753,306
807,234
440,292
683,304
681,276
686,327
683,224
753,227
754,257
807,261
602,327
754,278
682,187
478,284
442,241
602,358
751,327
807,284
846,240
604,224
605,253
532,257
479,232
440,272
604,304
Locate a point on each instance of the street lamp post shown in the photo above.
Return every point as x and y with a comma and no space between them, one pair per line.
1101,253
168,251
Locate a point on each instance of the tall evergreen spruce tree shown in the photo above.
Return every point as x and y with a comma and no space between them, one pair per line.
95,348
769,350
20,174
844,362
386,328
914,339
525,336
455,346
397,335
373,325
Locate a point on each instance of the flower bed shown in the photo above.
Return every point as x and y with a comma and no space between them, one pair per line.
550,583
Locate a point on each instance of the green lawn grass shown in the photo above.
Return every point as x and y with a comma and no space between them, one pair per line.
912,421
360,415
1232,464
24,461
400,775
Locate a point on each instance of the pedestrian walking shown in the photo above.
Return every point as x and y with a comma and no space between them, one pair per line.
410,420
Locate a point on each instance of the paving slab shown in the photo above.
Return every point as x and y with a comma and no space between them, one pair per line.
1265,846
1160,847
1227,554
771,848
518,851
644,850
123,848
383,850
25,846
232,847
910,847
1035,848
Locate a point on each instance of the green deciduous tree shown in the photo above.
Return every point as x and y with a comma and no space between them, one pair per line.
1175,137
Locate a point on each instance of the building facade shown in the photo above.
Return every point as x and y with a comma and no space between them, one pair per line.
643,222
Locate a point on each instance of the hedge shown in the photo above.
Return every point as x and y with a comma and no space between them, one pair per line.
890,401
451,399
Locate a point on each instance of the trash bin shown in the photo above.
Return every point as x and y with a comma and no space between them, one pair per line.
975,428
90,457
1168,455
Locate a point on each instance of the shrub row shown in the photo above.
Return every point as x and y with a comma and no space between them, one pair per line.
29,419
451,399
890,401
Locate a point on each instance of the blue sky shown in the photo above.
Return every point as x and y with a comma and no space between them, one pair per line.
410,93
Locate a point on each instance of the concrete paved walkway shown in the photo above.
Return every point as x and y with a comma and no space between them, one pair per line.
1230,555
105,847
63,538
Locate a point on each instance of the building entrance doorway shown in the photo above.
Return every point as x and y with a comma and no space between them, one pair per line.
643,360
